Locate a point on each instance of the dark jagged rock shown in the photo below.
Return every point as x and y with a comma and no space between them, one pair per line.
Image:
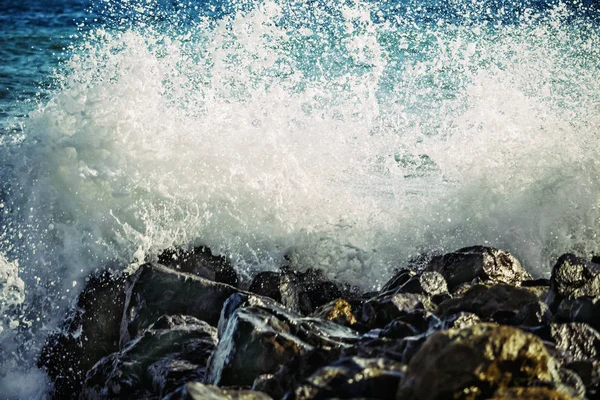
460,320
300,291
155,290
473,363
202,262
488,301
578,341
198,391
478,262
530,393
410,323
338,311
589,372
90,332
291,374
171,352
428,283
573,277
533,314
351,378
582,309
258,339
382,309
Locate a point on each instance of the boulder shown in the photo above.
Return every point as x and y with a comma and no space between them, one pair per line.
474,362
156,290
258,339
478,262
384,308
90,332
589,372
529,393
581,309
302,292
428,283
351,378
173,351
577,341
200,261
199,391
338,311
487,302
573,277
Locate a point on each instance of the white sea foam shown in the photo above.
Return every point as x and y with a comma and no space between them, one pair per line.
350,144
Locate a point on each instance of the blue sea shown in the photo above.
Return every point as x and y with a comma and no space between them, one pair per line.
348,135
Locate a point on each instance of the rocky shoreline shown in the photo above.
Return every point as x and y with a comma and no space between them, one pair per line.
472,324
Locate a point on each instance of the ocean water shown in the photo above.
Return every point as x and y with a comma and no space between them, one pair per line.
351,136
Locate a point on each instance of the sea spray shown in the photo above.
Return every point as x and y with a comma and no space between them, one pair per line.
350,138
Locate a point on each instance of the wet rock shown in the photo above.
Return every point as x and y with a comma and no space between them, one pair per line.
478,262
428,283
338,311
410,323
589,372
529,393
174,350
573,277
533,314
351,378
90,332
381,310
488,301
582,309
475,362
300,291
202,262
258,339
578,341
156,290
460,320
198,391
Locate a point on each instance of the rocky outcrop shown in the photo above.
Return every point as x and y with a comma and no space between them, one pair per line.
471,324
484,263
172,351
475,362
155,290
90,332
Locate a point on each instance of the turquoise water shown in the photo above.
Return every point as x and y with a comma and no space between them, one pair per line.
351,136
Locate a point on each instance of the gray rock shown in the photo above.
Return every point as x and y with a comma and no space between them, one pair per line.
156,290
199,391
376,378
573,277
484,263
90,332
171,352
258,339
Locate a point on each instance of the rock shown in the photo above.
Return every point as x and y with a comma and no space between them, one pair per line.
174,350
300,291
529,393
200,262
488,301
485,263
573,277
589,372
460,321
351,378
475,362
198,391
156,290
381,310
260,338
90,332
338,311
428,283
578,341
533,314
398,280
582,309
410,323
